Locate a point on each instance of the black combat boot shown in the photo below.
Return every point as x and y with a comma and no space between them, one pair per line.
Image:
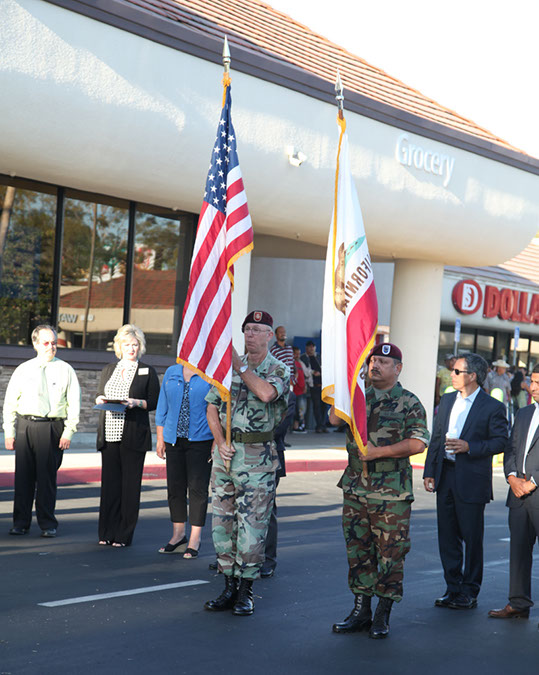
227,598
245,605
380,623
359,619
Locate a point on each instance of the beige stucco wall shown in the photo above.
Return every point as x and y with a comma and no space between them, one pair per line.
89,106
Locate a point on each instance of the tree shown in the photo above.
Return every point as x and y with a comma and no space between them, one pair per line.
27,262
162,237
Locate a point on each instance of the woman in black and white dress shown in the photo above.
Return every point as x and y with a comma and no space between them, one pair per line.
124,437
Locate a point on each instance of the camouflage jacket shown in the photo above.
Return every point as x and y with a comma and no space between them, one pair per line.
250,414
395,416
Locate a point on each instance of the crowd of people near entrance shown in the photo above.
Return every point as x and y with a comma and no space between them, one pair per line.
480,412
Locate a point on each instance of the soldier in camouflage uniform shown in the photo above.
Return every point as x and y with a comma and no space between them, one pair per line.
377,504
243,497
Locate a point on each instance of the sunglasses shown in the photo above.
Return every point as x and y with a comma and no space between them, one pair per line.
255,331
459,372
47,343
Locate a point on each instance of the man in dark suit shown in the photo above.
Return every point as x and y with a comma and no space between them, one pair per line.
469,429
521,466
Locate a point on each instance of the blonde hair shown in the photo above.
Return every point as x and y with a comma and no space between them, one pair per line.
128,331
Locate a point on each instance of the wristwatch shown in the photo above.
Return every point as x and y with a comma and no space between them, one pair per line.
243,368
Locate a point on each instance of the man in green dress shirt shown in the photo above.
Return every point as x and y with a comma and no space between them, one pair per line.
41,413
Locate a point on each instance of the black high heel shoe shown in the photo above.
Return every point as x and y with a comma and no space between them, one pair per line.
191,553
175,548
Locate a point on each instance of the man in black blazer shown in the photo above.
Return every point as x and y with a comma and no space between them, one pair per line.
521,466
469,429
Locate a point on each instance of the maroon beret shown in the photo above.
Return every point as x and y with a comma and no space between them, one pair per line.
257,316
386,349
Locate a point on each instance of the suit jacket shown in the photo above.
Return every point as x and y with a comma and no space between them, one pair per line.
485,430
137,434
514,457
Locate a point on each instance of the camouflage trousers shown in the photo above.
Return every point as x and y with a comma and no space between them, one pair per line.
377,540
241,503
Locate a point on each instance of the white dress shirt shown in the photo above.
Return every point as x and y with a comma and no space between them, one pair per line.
459,413
534,423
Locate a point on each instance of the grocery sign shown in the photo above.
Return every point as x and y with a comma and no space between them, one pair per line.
506,304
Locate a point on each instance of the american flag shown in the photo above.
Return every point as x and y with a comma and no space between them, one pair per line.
224,234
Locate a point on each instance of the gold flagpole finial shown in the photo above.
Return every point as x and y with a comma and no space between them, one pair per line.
226,56
339,96
226,64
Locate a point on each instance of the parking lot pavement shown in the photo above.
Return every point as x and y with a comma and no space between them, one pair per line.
161,624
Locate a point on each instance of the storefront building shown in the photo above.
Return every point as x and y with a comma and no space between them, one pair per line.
497,309
107,119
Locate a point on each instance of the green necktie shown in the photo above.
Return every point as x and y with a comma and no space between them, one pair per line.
43,394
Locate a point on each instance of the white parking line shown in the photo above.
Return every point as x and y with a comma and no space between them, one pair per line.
119,594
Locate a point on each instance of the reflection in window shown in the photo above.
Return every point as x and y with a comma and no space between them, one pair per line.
446,343
163,245
522,352
93,273
466,344
27,228
534,355
485,346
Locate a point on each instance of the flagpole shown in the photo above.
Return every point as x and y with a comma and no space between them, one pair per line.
339,97
226,84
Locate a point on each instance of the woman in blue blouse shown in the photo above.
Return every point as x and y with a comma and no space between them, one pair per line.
184,438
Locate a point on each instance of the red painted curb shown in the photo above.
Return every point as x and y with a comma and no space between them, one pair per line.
293,465
159,471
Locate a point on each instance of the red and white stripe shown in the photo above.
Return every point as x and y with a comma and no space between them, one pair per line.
205,342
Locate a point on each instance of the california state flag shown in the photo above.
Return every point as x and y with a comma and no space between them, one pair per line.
350,311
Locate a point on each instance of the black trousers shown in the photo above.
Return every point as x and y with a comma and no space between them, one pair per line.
270,551
37,460
121,478
188,469
524,528
460,536
279,436
318,407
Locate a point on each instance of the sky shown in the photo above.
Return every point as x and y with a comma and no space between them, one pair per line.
476,57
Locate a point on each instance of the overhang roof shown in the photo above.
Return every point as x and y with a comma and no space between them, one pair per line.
274,47
259,28
521,270
526,263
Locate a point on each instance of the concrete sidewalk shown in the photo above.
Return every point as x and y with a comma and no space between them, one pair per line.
82,463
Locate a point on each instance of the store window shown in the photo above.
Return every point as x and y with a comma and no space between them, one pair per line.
534,354
163,246
522,352
467,342
485,346
97,287
27,231
93,272
446,343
